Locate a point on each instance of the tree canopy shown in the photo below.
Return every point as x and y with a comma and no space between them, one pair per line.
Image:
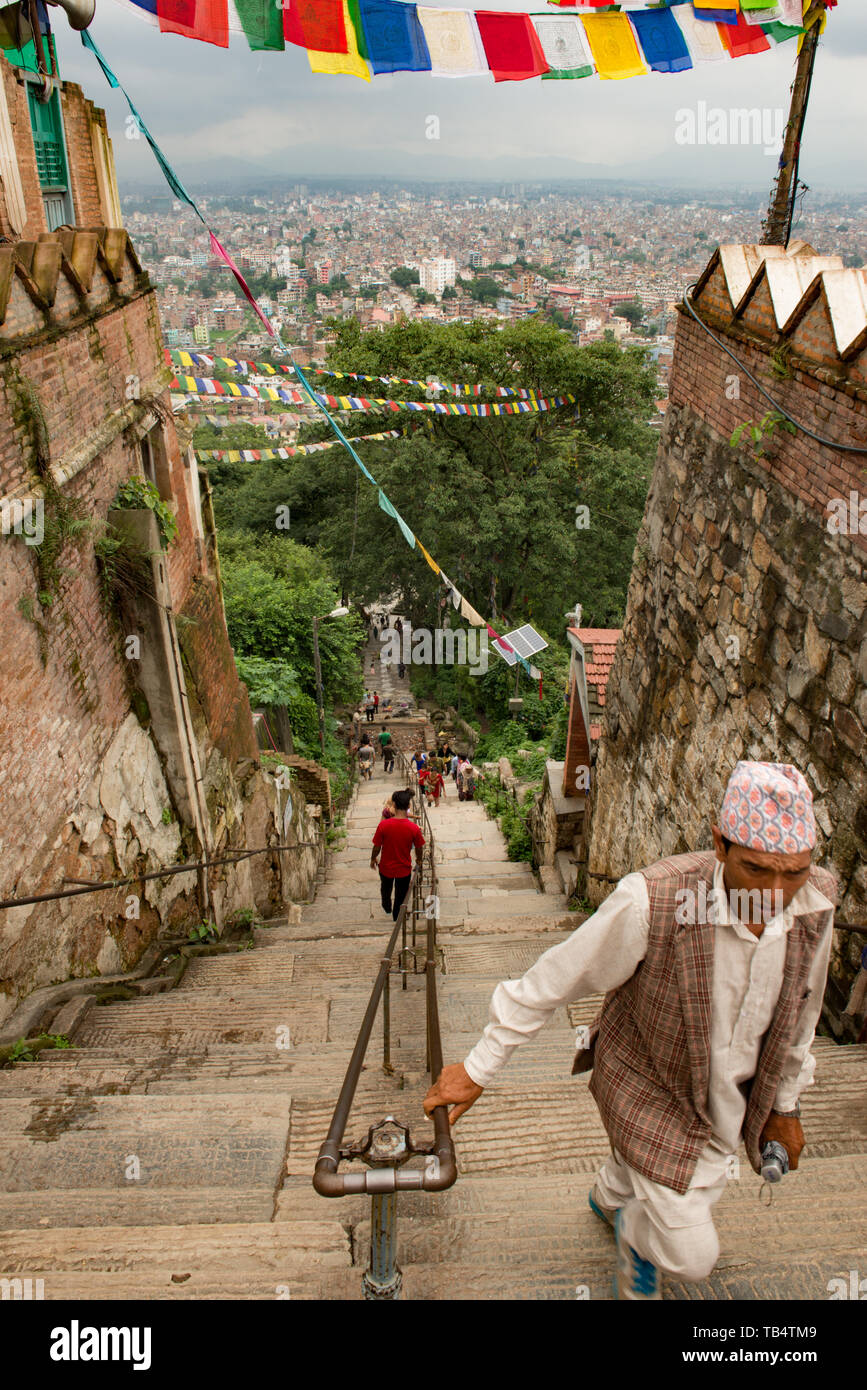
526,516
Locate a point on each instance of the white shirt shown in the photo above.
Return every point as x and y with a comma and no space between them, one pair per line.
606,950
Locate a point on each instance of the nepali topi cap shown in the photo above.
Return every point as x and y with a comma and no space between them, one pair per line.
768,807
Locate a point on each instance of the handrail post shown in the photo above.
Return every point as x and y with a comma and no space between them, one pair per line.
383,1278
386,1025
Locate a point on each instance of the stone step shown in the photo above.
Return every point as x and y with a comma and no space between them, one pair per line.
135,1205
196,1018
223,1260
89,1140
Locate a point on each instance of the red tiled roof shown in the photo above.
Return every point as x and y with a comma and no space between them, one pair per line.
608,635
603,641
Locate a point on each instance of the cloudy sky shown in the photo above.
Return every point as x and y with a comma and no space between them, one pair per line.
222,113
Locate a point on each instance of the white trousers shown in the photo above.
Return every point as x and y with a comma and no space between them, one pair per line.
675,1232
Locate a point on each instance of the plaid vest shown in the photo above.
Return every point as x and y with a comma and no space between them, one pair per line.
651,1042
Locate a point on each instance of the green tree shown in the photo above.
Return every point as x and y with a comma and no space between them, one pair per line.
403,276
631,309
272,589
485,289
450,292
493,500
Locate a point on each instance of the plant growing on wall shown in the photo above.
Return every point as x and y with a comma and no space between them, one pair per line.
136,493
762,434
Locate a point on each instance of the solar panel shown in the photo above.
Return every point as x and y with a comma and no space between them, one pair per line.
525,641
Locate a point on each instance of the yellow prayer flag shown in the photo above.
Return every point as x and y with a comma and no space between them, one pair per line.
612,43
433,564
350,63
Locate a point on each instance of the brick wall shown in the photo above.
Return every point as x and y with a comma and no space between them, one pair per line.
829,408
78,117
311,779
211,667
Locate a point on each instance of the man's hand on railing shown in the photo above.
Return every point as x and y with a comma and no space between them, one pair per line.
452,1087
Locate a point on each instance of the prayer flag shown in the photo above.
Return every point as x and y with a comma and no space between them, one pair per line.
220,251
395,41
433,564
743,38
453,42
702,40
469,613
564,47
207,20
717,11
168,172
349,61
788,12
512,49
613,46
316,24
262,22
392,511
780,33
661,40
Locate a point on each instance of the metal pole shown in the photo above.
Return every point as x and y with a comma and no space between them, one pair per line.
386,1025
383,1279
319,697
778,223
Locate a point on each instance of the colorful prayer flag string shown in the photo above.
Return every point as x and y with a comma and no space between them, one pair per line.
365,38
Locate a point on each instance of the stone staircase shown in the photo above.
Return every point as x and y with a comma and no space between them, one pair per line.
170,1154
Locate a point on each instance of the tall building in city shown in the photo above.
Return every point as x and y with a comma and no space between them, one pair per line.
435,274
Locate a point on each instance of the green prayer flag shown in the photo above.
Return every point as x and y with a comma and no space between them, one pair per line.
781,33
262,22
557,73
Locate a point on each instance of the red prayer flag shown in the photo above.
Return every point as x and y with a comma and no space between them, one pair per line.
207,20
316,24
511,45
742,38
221,251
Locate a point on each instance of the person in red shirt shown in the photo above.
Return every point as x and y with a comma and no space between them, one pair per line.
433,786
395,839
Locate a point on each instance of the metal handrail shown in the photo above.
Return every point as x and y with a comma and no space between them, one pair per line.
327,1181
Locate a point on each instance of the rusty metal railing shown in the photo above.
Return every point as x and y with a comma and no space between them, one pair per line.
389,1145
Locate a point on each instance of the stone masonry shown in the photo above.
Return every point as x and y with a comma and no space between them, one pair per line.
746,625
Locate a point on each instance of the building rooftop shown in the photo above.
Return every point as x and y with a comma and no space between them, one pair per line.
602,641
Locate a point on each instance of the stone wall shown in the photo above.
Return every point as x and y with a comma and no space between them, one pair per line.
120,753
746,625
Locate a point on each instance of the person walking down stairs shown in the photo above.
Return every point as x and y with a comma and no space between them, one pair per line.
395,839
386,745
366,757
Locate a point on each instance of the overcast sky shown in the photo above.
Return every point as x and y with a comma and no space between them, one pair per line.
219,112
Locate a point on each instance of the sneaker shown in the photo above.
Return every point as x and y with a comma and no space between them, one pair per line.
635,1279
604,1213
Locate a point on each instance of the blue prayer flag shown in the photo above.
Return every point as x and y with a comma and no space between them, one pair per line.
661,40
394,37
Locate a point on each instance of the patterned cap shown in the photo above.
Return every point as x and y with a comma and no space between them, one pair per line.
768,807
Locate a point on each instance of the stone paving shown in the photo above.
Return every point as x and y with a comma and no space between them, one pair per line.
170,1154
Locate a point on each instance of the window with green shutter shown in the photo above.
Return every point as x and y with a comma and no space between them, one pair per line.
48,141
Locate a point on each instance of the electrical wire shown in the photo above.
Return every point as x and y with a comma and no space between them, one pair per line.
827,443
